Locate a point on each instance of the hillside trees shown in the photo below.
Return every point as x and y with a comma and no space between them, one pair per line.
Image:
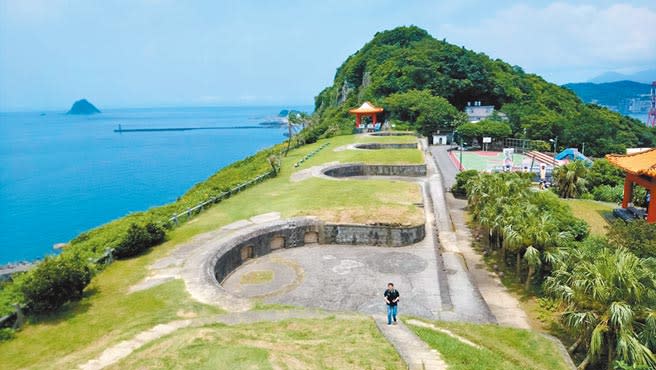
425,112
486,128
408,58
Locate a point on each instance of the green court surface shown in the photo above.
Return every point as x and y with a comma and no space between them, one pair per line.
482,161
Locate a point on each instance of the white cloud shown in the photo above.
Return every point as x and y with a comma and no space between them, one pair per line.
561,36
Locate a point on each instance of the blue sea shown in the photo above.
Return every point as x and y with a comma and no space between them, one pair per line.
62,174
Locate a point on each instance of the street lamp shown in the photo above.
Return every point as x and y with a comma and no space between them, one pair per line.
555,141
460,163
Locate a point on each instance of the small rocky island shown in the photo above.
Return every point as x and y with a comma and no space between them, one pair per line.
83,106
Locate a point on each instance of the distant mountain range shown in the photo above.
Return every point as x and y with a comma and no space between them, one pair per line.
623,96
646,76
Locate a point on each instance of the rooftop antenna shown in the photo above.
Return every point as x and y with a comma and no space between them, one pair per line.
651,117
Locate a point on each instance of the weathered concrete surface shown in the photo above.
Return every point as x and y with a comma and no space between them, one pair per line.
464,293
376,146
391,236
345,278
414,351
360,169
456,238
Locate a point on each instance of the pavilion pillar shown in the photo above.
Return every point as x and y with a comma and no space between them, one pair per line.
651,208
373,118
357,120
628,191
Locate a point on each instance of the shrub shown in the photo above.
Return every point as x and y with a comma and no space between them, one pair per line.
603,172
607,193
638,236
55,281
462,178
6,334
138,239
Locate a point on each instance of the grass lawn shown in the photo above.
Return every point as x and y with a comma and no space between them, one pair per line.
592,212
108,314
332,343
501,348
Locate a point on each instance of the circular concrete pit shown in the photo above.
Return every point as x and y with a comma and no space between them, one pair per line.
359,169
375,146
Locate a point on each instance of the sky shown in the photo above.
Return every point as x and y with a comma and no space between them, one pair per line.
147,53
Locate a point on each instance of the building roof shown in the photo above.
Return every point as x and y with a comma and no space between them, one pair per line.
641,163
366,107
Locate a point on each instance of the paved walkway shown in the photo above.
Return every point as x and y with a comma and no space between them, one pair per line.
503,305
414,351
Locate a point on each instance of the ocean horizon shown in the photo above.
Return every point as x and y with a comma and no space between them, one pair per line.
61,175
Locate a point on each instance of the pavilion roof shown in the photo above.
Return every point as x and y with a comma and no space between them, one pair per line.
641,163
366,107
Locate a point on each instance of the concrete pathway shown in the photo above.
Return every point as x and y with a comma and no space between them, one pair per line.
414,351
125,348
457,239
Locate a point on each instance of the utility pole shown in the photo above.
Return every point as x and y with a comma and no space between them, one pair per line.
461,168
555,146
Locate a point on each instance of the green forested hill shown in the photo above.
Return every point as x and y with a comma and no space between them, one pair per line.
396,62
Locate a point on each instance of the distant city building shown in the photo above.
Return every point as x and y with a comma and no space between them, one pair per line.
477,112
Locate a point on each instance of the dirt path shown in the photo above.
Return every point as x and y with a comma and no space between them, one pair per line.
414,351
123,349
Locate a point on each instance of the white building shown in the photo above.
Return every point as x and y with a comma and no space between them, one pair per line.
477,112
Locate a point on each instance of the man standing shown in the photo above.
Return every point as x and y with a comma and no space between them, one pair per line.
392,299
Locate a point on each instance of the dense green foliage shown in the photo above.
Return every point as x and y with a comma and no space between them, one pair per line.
408,58
604,289
55,281
570,179
485,128
138,239
603,172
526,224
637,236
609,93
610,301
423,111
462,179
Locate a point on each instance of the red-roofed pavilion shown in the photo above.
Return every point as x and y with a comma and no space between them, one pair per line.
640,169
366,109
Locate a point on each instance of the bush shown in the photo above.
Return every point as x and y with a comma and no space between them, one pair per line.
607,193
138,239
603,172
462,178
6,334
55,281
637,236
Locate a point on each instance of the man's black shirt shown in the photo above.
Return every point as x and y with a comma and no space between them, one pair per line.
391,295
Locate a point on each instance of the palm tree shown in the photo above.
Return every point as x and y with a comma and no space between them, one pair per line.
610,295
534,260
570,179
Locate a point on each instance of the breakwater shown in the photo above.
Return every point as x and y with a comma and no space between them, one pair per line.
160,129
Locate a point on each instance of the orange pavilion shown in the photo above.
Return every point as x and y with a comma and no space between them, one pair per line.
368,110
640,169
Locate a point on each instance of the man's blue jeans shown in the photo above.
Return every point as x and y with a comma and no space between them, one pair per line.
391,313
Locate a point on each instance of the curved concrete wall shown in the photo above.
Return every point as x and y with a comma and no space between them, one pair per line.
263,239
386,146
359,169
399,133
